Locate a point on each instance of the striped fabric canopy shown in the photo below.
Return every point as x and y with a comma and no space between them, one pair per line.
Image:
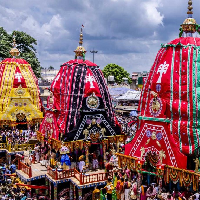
19,92
175,78
76,80
171,95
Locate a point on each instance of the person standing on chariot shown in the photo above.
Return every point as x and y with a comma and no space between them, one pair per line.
37,153
95,162
81,163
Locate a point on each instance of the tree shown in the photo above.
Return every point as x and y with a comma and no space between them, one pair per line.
51,68
25,44
117,71
5,44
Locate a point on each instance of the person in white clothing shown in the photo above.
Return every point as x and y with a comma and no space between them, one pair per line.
37,154
127,186
196,196
81,165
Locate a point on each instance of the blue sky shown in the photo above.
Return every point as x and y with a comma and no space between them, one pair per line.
125,32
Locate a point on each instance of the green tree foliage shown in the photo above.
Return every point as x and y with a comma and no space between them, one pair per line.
50,68
5,44
25,44
117,71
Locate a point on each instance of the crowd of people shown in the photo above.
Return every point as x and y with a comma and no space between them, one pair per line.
8,192
128,125
125,184
15,136
129,185
8,189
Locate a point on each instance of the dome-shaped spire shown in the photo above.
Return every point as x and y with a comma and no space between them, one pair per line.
14,51
80,50
189,26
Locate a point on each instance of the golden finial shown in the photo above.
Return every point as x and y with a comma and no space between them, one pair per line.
190,12
81,38
80,50
190,25
14,51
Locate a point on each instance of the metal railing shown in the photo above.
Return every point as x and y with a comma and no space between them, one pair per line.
16,147
60,174
3,145
91,178
82,178
26,169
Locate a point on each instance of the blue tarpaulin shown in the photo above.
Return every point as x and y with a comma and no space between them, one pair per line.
133,113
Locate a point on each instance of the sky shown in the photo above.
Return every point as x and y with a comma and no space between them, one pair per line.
125,32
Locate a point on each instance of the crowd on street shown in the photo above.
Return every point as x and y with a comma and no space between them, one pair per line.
129,185
15,136
125,184
8,189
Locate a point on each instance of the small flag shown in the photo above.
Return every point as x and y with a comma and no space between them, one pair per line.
82,26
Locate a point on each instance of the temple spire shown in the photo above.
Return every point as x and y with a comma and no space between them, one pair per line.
190,12
14,51
80,50
81,38
189,26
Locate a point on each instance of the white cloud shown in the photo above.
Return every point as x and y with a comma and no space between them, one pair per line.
153,16
55,23
125,32
30,24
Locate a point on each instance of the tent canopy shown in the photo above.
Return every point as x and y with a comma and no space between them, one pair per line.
118,91
130,95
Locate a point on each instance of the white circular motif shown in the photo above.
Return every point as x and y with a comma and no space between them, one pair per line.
92,101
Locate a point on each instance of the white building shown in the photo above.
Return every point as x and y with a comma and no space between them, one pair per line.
49,74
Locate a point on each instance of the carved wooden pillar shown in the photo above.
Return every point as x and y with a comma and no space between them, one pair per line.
55,191
104,143
87,145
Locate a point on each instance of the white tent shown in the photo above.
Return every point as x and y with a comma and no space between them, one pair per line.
130,96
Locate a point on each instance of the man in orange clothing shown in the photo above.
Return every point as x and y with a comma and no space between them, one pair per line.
118,187
122,189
